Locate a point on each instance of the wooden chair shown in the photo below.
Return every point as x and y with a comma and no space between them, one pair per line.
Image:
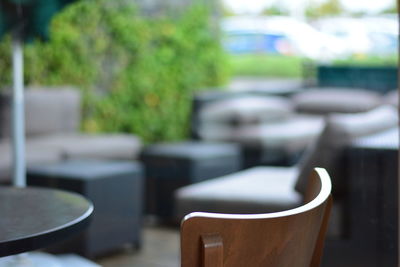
291,238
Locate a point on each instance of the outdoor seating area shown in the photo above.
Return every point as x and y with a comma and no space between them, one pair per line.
264,123
53,119
214,172
257,123
199,134
274,188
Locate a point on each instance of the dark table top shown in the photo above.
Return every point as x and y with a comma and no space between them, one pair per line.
33,218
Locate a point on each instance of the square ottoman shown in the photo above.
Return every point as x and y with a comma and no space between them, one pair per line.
114,187
171,166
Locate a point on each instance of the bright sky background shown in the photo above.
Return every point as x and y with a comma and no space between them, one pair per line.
254,6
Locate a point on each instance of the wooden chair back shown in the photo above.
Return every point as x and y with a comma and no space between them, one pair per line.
292,238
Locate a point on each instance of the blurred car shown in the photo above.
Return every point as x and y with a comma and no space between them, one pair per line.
370,35
280,34
248,35
383,33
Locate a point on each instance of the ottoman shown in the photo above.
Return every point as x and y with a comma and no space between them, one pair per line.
171,166
114,187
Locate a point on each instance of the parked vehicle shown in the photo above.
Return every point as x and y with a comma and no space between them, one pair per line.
280,34
369,35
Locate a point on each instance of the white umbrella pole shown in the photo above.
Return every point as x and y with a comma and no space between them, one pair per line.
18,116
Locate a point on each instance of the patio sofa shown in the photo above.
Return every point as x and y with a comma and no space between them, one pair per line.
273,129
267,128
52,122
272,188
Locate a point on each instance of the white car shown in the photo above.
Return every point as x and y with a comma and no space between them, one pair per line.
306,40
369,35
298,37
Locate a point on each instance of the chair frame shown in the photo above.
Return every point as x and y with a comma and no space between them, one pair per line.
216,239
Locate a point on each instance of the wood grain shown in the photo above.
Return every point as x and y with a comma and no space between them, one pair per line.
212,250
292,238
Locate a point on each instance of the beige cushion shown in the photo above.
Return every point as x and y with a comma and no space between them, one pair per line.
50,110
289,135
340,130
256,190
99,146
47,111
53,148
329,100
34,155
245,110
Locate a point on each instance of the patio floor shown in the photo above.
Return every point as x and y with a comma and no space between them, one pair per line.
160,249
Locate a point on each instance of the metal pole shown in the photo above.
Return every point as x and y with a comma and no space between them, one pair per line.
18,116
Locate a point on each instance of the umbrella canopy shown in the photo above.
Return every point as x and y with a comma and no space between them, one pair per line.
30,18
25,20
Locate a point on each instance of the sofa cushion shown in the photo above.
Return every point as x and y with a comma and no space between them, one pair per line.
328,100
290,135
245,109
34,155
191,150
255,190
99,146
50,110
47,111
341,130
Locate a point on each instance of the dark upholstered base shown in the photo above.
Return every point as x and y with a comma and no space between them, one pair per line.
115,188
171,166
258,156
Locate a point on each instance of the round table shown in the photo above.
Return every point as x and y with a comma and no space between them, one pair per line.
33,218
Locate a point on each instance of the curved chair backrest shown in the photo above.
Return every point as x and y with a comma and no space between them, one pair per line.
292,238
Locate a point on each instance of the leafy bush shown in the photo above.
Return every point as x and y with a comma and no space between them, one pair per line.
137,73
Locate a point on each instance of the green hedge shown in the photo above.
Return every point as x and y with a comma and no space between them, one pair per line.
137,73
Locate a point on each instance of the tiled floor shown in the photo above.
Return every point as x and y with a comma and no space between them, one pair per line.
160,249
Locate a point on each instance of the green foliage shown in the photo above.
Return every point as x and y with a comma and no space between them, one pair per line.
275,10
226,10
266,65
5,62
358,14
137,73
327,8
393,9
